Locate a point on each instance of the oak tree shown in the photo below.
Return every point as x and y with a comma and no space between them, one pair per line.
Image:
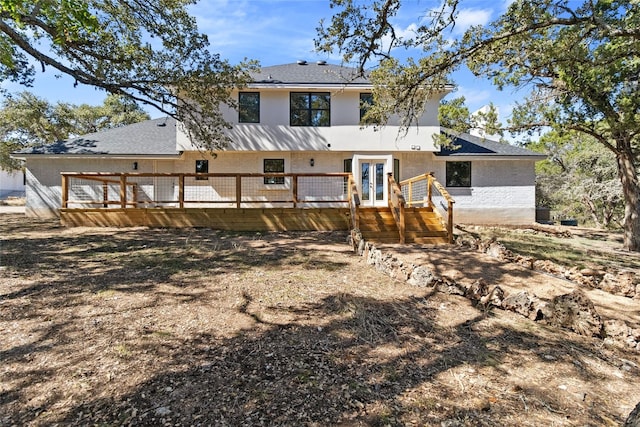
579,59
27,120
147,50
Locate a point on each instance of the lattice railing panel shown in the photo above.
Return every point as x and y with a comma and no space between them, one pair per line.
203,190
322,188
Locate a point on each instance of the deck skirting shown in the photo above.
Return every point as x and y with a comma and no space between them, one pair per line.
244,219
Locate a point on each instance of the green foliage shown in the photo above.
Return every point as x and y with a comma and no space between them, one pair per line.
454,116
29,121
579,179
149,51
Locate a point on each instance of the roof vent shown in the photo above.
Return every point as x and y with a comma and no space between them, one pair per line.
302,62
321,62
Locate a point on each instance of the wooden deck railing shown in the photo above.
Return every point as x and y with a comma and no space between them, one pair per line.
397,204
125,190
425,190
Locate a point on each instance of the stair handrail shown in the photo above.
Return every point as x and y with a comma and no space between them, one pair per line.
410,183
434,185
427,183
396,204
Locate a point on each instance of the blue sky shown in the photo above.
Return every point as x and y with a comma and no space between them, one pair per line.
282,31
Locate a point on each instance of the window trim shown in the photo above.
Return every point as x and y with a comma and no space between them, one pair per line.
463,183
276,180
309,109
240,107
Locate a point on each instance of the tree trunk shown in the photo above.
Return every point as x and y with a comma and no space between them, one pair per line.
631,193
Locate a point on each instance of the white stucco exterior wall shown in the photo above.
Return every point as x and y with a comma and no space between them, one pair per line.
274,132
501,192
44,180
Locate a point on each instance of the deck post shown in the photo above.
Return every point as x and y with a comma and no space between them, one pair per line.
65,191
105,194
354,202
295,190
429,190
123,191
450,221
238,191
181,190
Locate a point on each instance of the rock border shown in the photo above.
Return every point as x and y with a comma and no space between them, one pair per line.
623,283
573,311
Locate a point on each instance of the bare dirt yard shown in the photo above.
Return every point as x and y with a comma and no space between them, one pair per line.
105,326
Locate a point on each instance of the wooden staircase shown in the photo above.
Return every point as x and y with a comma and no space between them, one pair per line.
422,226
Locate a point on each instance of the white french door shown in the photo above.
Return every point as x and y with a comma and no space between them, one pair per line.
373,182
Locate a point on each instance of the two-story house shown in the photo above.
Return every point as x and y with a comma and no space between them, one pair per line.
299,118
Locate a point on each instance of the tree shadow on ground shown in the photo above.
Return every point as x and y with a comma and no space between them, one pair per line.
336,358
135,260
370,363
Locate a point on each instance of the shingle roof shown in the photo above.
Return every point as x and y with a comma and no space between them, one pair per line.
151,137
309,73
469,145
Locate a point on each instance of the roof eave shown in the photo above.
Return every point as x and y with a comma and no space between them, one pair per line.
325,86
23,156
473,156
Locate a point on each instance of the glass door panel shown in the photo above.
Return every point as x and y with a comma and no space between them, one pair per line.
366,182
379,181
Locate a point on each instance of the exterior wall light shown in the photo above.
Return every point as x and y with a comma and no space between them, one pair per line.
135,166
312,162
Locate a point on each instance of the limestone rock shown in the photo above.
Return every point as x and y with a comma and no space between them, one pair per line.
616,329
477,290
624,283
520,303
633,420
574,311
494,297
449,286
496,250
422,277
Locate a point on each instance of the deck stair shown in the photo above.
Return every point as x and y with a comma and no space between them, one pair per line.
422,226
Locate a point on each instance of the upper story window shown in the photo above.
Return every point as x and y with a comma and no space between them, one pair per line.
249,107
458,174
310,109
366,101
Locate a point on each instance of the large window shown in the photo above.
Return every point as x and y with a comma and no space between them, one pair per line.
458,174
366,101
310,109
249,107
273,166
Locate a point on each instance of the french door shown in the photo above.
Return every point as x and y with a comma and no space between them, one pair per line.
373,182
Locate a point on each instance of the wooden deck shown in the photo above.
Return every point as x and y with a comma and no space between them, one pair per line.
228,202
376,224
